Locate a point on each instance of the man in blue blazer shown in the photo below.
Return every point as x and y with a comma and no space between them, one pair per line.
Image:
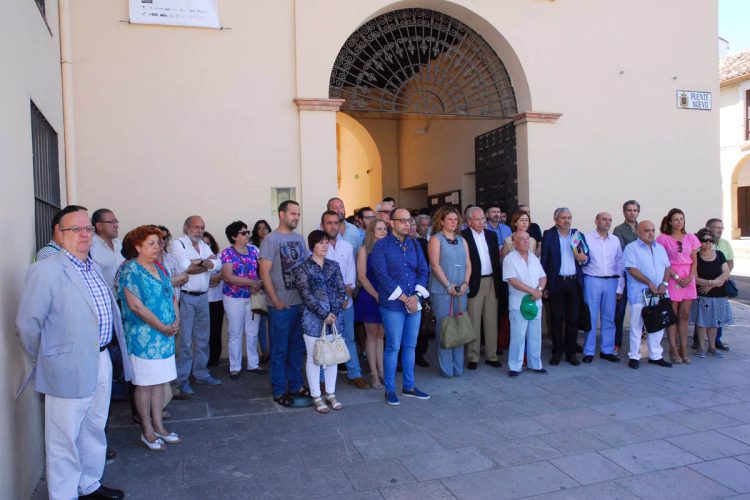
564,268
66,318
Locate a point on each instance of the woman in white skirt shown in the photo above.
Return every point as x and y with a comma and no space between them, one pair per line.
150,321
712,309
239,269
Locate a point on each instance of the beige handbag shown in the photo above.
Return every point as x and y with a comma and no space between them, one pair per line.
259,302
330,352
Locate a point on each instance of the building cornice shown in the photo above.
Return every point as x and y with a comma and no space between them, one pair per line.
536,117
318,104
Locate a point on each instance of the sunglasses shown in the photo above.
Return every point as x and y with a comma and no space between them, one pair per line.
244,233
707,240
679,246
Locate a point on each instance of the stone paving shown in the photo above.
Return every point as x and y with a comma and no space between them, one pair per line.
593,431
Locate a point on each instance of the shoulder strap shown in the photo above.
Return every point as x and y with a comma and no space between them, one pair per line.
158,264
181,243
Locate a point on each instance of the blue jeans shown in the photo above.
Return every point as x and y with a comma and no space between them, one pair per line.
352,366
451,361
525,335
401,330
287,349
192,344
601,296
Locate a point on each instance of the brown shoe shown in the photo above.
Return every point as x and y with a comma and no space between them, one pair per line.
359,383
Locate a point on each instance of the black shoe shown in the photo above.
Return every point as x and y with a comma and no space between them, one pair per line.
579,348
588,359
495,364
721,346
471,365
511,373
234,375
342,368
540,371
633,363
572,360
258,371
660,362
609,357
420,361
554,360
105,493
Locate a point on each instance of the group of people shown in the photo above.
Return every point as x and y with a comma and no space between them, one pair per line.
163,301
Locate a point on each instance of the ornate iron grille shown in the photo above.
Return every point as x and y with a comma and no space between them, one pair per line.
424,62
496,168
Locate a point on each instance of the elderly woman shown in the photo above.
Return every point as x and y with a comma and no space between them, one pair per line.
321,287
261,228
239,269
520,221
711,310
449,281
682,248
150,322
366,306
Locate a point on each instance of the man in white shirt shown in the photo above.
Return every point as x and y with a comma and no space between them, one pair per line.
196,258
106,247
525,276
340,251
604,281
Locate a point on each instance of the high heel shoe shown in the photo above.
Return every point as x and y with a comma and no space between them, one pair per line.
157,445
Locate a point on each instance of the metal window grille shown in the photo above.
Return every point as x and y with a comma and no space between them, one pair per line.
40,4
46,175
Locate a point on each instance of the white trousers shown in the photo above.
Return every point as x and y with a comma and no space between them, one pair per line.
241,321
313,370
74,438
636,327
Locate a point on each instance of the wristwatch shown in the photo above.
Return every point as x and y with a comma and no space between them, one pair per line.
540,289
664,283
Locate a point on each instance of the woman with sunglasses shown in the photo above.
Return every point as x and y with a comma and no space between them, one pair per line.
682,249
239,270
712,309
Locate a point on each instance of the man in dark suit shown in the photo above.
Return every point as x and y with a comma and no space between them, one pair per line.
563,265
484,285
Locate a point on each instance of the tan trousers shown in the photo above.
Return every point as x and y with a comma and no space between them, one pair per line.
483,309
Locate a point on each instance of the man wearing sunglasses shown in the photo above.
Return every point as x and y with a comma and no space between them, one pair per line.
67,317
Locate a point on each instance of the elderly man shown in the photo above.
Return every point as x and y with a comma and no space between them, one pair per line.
282,251
496,223
484,286
196,258
340,251
347,231
401,272
53,246
648,274
66,318
524,274
106,248
717,229
603,286
626,233
563,265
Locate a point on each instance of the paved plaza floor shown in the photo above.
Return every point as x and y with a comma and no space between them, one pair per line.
594,431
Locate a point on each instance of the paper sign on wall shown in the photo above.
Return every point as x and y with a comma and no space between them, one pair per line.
195,13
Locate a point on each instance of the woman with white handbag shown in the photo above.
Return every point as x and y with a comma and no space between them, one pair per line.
321,286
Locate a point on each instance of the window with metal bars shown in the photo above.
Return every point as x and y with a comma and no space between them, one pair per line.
46,175
40,4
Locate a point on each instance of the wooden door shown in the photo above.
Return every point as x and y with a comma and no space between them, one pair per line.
743,210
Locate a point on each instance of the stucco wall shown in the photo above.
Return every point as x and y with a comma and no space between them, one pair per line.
31,61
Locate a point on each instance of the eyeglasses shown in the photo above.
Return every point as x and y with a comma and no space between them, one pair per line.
707,240
403,221
384,211
78,229
368,217
111,221
244,232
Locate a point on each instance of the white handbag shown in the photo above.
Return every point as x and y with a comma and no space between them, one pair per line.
330,352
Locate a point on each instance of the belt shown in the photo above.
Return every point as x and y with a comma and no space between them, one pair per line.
487,276
102,348
569,277
194,294
613,277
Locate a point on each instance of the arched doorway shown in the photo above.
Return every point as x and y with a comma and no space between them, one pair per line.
359,164
430,88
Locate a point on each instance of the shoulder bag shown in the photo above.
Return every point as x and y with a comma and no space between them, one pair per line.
455,330
731,289
330,352
657,316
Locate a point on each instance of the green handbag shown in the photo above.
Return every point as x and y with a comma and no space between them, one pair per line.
455,330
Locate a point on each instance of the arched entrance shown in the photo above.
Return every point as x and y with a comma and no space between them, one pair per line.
438,101
359,173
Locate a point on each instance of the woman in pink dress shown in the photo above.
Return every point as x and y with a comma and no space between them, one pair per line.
682,249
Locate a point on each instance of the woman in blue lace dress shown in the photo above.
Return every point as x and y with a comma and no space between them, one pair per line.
321,286
150,319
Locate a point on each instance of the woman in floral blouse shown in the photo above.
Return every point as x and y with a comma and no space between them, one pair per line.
150,318
321,286
239,269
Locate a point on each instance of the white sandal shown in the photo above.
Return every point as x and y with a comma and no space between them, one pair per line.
331,398
320,405
171,438
157,445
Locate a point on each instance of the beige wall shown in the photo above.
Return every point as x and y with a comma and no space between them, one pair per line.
31,71
385,134
360,165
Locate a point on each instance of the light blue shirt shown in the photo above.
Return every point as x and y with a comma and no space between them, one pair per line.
567,259
502,231
650,261
353,237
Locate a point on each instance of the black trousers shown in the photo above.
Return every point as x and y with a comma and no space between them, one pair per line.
216,317
564,304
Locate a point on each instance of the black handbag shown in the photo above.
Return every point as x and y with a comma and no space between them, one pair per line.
584,317
730,288
657,316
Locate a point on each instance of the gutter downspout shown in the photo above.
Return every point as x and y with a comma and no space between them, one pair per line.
66,71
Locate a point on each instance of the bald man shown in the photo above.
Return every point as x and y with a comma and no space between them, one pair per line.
648,274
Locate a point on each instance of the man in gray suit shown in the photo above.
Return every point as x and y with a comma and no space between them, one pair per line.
66,318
